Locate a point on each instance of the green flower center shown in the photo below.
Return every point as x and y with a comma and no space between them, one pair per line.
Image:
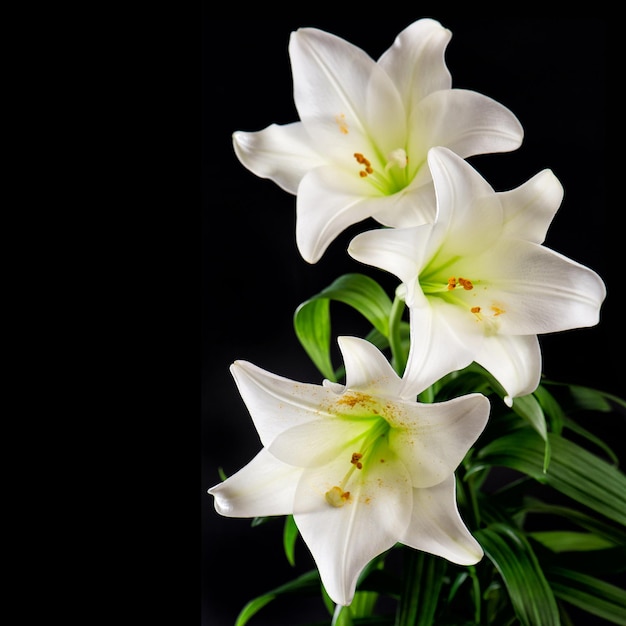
361,406
390,175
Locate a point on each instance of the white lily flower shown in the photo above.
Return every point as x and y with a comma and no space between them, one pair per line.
359,466
360,147
478,282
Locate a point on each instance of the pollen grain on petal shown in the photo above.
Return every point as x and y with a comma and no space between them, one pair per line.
341,123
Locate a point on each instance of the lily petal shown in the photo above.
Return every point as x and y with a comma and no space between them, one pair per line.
442,340
515,362
265,486
344,539
401,251
317,443
437,528
537,289
281,153
342,95
432,439
466,122
416,61
367,367
328,202
276,403
530,208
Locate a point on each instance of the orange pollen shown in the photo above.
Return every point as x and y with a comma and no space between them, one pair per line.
451,282
497,310
367,166
341,122
356,456
475,309
466,284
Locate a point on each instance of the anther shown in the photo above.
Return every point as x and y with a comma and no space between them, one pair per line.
451,283
367,166
336,496
475,309
466,284
356,460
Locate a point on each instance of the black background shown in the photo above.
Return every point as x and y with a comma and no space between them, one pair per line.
554,75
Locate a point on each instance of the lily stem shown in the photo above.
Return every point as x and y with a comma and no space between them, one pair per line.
398,355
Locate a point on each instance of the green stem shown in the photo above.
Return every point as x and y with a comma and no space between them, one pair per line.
477,594
398,355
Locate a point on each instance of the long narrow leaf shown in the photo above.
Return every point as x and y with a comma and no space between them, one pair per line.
573,470
306,583
529,408
530,594
595,596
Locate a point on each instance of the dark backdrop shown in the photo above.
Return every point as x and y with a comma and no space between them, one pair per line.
554,74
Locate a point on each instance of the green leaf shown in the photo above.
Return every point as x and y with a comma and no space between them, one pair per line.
312,326
529,408
585,434
573,470
306,583
252,608
568,541
312,318
607,531
551,408
595,596
530,594
290,534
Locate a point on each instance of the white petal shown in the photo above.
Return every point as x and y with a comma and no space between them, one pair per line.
530,208
343,540
538,290
265,486
416,60
443,339
437,528
281,153
276,403
466,122
412,206
329,201
343,95
367,368
469,212
433,438
319,442
402,251
514,361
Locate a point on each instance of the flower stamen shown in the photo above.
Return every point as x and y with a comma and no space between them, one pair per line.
338,495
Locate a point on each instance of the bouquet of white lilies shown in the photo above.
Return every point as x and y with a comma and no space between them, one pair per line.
390,453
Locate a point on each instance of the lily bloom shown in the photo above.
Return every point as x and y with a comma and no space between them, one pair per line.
479,283
359,466
360,147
